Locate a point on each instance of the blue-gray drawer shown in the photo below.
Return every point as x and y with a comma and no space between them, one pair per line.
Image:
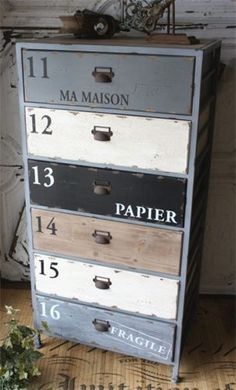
123,82
109,330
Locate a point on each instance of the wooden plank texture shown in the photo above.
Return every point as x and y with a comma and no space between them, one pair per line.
68,136
143,83
141,197
203,141
204,116
129,291
155,249
213,15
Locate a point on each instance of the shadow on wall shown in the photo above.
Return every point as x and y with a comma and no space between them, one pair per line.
219,255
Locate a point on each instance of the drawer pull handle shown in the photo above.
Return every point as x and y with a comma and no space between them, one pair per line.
101,326
103,75
102,283
101,133
102,237
101,188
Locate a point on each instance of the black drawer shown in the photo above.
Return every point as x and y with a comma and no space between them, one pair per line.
141,197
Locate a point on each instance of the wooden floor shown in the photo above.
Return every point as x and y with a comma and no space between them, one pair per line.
208,361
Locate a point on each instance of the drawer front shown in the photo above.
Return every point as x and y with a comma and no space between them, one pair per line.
110,140
119,81
153,249
114,331
107,287
149,198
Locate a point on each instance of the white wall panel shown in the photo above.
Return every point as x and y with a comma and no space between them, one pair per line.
11,171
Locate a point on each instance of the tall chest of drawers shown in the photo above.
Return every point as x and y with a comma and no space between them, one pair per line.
117,140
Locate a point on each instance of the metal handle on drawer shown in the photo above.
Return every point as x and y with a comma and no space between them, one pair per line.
101,188
102,283
101,133
103,75
102,237
101,326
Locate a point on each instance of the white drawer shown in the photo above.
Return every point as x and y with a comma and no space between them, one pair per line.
107,287
142,143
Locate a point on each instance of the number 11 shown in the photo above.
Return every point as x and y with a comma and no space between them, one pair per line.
31,68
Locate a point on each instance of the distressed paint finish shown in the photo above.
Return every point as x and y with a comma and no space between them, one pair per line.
203,18
182,279
206,17
158,250
143,83
136,196
13,265
60,185
69,137
134,292
126,334
46,178
18,253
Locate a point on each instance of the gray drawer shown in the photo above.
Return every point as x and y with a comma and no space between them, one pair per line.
124,82
110,330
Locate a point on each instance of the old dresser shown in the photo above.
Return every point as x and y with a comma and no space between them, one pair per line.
117,139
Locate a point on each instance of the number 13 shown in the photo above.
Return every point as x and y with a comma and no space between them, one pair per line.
48,175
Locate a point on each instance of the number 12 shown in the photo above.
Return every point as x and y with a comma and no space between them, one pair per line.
46,129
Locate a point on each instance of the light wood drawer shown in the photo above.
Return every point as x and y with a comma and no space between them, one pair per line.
107,241
115,141
110,330
133,82
106,287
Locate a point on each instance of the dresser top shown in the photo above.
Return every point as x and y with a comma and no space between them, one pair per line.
139,44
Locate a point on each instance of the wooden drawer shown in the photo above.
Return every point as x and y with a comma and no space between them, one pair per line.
109,330
111,140
141,197
122,82
154,249
107,287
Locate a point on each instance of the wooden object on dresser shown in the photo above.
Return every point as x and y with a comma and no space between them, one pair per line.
117,140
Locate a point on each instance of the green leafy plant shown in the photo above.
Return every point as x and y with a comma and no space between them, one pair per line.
18,355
